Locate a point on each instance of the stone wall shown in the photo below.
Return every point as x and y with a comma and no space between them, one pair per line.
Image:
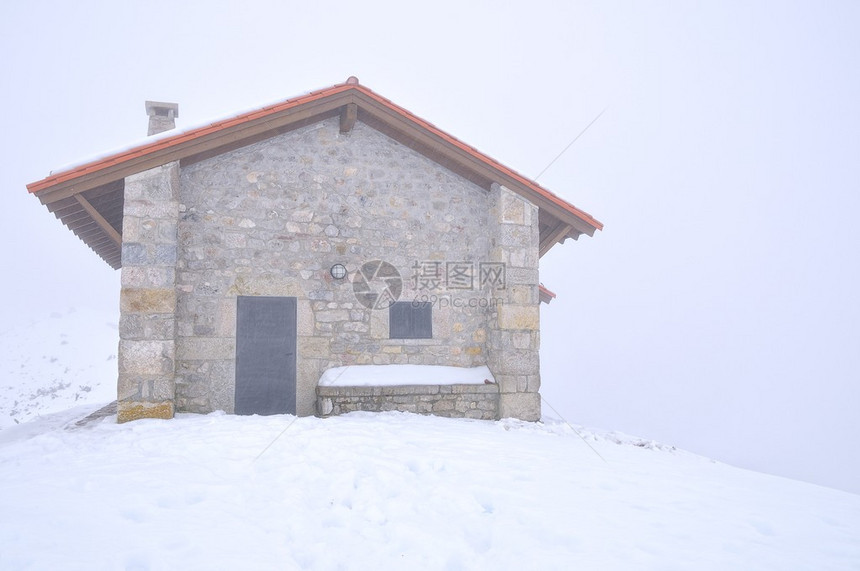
147,351
457,401
514,332
273,217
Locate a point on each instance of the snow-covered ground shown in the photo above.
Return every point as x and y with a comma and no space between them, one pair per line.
396,491
57,361
366,491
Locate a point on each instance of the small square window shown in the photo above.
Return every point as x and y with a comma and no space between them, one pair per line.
410,320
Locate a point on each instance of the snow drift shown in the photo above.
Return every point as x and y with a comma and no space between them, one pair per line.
60,360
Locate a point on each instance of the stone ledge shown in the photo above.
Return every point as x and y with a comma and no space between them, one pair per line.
460,401
397,390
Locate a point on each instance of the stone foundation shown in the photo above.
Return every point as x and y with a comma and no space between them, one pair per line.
455,401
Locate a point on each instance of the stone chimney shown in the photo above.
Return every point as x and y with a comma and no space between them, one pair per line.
161,116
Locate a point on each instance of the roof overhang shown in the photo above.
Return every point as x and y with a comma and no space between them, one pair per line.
88,198
545,294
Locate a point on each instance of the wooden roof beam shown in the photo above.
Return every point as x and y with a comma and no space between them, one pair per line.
348,115
99,219
559,232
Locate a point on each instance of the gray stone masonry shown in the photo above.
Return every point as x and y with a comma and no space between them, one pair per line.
513,341
271,219
455,401
147,328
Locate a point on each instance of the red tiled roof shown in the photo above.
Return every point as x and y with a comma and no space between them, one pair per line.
169,142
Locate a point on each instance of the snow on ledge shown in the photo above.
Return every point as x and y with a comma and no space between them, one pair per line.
393,375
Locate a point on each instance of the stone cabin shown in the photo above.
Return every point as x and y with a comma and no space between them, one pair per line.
332,229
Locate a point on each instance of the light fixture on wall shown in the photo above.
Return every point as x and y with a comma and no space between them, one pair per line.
338,271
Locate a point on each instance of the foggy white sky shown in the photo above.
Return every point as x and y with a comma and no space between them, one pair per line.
718,310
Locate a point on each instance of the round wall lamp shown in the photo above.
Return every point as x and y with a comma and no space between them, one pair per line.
338,271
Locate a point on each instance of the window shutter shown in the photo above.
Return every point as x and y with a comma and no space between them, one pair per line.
408,320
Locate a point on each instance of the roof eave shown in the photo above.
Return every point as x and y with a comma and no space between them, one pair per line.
564,219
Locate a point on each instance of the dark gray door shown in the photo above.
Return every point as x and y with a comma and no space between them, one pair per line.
266,355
